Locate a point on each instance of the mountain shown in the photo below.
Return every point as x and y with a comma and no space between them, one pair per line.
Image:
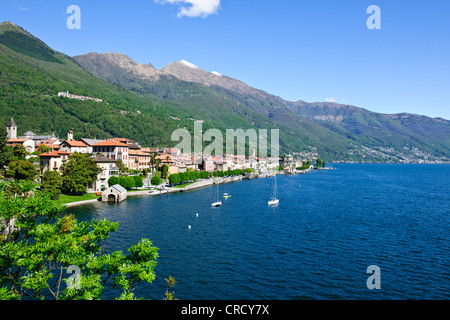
32,74
219,105
146,104
336,131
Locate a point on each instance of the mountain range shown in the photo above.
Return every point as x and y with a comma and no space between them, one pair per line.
146,104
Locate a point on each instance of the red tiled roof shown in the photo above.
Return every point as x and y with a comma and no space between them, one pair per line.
55,154
110,143
74,143
17,140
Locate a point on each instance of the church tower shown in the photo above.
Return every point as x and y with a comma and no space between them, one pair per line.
11,129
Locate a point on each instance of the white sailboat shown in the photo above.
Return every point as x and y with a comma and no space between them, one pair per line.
274,201
217,203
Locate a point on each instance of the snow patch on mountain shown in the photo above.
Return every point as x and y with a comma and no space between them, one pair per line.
188,64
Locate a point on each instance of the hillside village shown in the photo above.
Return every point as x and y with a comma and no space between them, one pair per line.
112,153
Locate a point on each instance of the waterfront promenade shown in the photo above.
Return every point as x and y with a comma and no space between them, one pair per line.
165,190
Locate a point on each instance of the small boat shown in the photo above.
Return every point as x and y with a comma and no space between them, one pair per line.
217,203
274,201
226,196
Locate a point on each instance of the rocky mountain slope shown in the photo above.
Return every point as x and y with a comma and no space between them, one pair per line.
339,132
146,104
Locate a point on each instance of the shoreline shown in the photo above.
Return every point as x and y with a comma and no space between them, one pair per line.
194,186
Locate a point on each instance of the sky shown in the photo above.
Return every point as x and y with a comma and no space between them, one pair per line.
313,51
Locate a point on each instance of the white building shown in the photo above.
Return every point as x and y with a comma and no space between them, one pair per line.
109,169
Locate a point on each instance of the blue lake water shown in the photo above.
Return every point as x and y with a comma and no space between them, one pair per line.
316,244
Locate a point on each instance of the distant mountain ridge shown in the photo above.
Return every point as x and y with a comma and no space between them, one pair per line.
329,127
145,103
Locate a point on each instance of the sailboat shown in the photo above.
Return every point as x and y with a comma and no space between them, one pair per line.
274,201
217,203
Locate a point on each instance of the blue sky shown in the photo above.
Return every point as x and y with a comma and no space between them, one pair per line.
299,50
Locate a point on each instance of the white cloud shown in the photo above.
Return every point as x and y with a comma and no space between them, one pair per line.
332,99
195,8
20,8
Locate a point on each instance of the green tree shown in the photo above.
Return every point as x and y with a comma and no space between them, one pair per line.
153,161
318,163
164,171
156,181
138,182
130,182
174,178
19,151
113,181
5,151
52,183
38,246
121,166
44,148
21,170
79,173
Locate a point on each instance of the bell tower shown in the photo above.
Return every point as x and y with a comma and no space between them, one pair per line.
11,129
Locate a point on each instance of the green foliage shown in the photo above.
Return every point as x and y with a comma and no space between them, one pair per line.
21,170
164,171
41,245
127,182
113,181
138,182
29,46
19,151
43,149
170,284
155,180
320,163
121,166
52,183
5,151
51,180
79,173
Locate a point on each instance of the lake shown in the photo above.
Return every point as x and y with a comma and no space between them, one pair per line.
329,227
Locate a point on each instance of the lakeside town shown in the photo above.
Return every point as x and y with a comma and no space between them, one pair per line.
155,167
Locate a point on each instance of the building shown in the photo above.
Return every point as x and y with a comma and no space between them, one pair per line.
208,164
109,169
40,139
115,193
52,161
89,143
74,96
139,160
287,161
113,149
29,144
11,129
73,146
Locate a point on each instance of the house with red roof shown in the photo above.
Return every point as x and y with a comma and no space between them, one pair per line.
113,149
52,161
73,146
